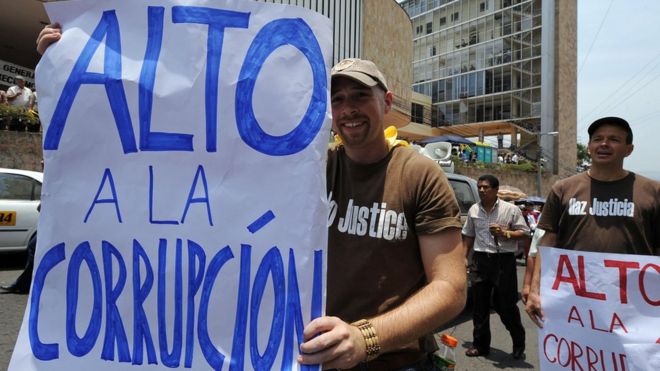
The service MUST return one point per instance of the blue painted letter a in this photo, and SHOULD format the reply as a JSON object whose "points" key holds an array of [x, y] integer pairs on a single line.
{"points": [[107, 28]]}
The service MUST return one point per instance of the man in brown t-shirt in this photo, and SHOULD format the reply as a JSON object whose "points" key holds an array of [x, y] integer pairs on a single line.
{"points": [[607, 209], [396, 270]]}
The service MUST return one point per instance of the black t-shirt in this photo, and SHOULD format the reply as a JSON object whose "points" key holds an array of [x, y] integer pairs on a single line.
{"points": [[622, 216]]}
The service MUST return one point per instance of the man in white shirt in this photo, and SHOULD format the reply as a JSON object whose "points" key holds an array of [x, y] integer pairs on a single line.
{"points": [[493, 228], [19, 95]]}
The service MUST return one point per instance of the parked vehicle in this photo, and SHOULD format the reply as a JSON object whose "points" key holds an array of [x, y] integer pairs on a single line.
{"points": [[20, 195], [465, 190], [467, 194]]}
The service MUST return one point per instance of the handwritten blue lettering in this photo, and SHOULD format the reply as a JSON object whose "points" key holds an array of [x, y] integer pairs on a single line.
{"points": [[196, 266], [114, 326], [107, 176], [217, 20], [193, 199], [212, 355], [155, 141], [170, 359], [76, 345], [151, 201], [286, 322], [277, 33], [42, 351], [107, 28], [141, 332]]}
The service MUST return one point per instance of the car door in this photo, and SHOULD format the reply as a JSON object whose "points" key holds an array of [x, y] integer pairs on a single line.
{"points": [[465, 195], [19, 199]]}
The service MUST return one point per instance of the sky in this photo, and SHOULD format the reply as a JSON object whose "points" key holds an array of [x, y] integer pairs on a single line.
{"points": [[618, 67]]}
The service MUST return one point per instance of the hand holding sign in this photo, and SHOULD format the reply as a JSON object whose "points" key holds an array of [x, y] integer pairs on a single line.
{"points": [[50, 34]]}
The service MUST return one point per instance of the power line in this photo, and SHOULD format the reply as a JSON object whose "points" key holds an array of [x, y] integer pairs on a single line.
{"points": [[584, 61], [640, 88], [618, 91], [645, 119]]}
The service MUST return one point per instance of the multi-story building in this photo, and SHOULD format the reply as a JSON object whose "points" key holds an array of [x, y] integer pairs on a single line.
{"points": [[500, 68]]}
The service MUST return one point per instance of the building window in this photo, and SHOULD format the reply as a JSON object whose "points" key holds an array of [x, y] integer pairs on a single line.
{"points": [[443, 21], [429, 28], [417, 113], [419, 29], [483, 6], [454, 17], [432, 51]]}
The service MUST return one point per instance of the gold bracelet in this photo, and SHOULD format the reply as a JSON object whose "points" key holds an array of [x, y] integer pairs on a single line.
{"points": [[508, 234], [370, 338]]}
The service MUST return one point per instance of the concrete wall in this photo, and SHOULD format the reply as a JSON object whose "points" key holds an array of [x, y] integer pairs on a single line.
{"points": [[20, 150], [387, 41], [526, 181]]}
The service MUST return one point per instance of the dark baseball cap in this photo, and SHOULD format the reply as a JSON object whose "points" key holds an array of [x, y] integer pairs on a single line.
{"points": [[614, 121], [361, 70]]}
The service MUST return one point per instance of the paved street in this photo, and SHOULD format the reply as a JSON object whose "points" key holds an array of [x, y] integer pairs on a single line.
{"points": [[13, 306], [501, 346]]}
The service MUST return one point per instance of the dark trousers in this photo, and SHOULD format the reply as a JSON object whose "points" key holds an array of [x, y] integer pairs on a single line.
{"points": [[494, 276], [23, 282]]}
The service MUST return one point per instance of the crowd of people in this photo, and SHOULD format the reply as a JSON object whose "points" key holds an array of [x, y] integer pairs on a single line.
{"points": [[385, 297]]}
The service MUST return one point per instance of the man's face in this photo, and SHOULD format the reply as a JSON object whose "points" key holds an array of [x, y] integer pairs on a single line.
{"points": [[20, 83], [607, 146], [358, 111], [486, 192]]}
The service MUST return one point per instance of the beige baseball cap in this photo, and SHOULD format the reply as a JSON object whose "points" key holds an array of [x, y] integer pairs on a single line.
{"points": [[360, 70]]}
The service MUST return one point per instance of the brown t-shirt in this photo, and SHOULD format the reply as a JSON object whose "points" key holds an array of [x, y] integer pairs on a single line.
{"points": [[376, 213], [622, 216]]}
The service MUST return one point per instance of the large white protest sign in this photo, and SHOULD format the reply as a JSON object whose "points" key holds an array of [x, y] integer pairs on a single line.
{"points": [[602, 311], [184, 208]]}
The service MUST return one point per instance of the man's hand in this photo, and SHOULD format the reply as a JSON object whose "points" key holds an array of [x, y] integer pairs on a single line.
{"points": [[534, 310], [333, 343], [47, 36], [524, 294]]}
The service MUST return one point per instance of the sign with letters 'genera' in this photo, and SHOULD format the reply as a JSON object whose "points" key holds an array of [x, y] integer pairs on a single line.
{"points": [[183, 219]]}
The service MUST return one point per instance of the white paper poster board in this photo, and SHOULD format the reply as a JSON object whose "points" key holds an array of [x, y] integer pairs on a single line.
{"points": [[183, 220], [602, 311]]}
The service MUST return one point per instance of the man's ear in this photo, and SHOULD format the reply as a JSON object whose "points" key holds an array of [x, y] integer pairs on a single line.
{"points": [[630, 148], [389, 99]]}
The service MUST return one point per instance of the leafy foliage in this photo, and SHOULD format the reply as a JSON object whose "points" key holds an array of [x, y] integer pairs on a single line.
{"points": [[583, 158]]}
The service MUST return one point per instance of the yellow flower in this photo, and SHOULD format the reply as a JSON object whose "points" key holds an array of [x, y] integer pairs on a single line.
{"points": [[390, 137]]}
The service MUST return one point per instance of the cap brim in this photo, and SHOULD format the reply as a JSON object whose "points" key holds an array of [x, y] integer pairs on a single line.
{"points": [[360, 77]]}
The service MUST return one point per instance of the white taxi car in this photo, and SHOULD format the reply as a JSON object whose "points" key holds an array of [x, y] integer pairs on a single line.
{"points": [[20, 194]]}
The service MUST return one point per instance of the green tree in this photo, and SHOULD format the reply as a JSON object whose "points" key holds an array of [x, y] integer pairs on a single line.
{"points": [[583, 157]]}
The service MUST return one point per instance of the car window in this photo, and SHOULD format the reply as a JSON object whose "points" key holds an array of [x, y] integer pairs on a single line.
{"points": [[463, 193], [19, 187]]}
